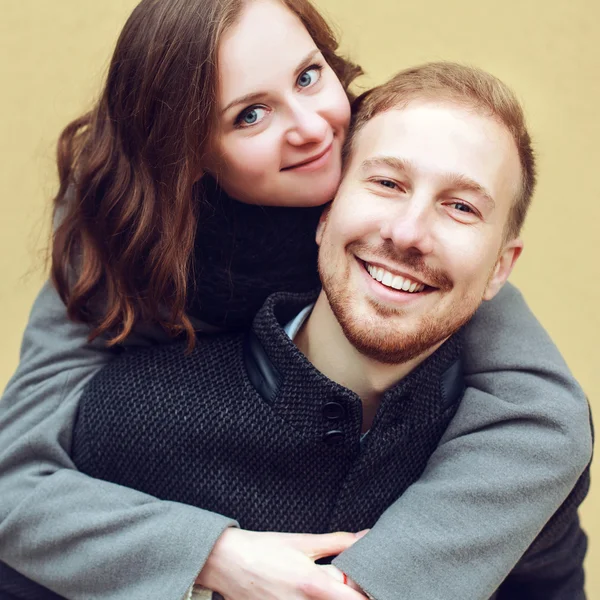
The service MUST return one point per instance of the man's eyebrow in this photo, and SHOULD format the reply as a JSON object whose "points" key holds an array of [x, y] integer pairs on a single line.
{"points": [[456, 181], [255, 96], [397, 164]]}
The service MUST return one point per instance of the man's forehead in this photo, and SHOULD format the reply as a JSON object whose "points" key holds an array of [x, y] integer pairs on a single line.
{"points": [[439, 137], [427, 116]]}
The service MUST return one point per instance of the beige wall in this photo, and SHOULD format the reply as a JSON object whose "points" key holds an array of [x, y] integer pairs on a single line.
{"points": [[52, 55]]}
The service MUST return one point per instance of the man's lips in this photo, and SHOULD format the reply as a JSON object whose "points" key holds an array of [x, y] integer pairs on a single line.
{"points": [[310, 160]]}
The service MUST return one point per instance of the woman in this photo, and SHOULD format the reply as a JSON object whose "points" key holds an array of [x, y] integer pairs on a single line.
{"points": [[138, 199]]}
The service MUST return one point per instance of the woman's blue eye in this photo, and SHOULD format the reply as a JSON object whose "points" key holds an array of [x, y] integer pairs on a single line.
{"points": [[310, 76], [250, 116]]}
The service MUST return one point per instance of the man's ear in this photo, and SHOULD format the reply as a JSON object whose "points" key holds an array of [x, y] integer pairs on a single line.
{"points": [[504, 265], [322, 222]]}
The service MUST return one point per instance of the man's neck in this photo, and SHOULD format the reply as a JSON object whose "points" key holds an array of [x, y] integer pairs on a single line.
{"points": [[322, 340]]}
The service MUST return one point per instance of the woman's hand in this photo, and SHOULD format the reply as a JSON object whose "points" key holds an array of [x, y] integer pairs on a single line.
{"points": [[334, 572], [249, 565]]}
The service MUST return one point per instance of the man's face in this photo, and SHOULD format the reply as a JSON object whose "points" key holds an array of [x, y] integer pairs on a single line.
{"points": [[415, 237]]}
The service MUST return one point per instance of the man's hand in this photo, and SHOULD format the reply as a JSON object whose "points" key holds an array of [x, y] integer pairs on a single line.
{"points": [[249, 565]]}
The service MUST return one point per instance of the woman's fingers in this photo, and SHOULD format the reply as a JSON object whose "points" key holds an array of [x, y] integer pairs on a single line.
{"points": [[335, 590], [247, 565], [334, 572], [320, 545], [340, 576]]}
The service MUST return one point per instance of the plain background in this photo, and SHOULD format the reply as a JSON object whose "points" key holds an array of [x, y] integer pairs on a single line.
{"points": [[53, 56]]}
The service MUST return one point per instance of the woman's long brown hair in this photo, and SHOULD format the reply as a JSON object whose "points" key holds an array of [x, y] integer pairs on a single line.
{"points": [[126, 215]]}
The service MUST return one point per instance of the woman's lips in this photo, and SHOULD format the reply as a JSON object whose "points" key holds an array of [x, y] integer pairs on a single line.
{"points": [[313, 163]]}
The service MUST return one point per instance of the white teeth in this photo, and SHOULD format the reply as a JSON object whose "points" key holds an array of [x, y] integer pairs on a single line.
{"points": [[397, 282], [387, 279], [394, 281]]}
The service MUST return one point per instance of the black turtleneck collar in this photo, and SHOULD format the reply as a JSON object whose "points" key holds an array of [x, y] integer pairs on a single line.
{"points": [[244, 253]]}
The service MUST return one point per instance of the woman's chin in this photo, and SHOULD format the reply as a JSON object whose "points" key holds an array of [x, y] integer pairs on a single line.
{"points": [[319, 196], [305, 193], [293, 199], [304, 201]]}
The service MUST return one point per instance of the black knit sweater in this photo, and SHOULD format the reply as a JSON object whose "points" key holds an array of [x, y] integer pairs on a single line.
{"points": [[194, 429], [243, 253]]}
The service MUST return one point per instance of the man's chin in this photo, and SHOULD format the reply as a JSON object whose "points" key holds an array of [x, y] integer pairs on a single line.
{"points": [[394, 338], [390, 349], [392, 334]]}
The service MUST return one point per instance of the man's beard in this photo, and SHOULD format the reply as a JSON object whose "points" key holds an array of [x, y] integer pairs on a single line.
{"points": [[373, 337]]}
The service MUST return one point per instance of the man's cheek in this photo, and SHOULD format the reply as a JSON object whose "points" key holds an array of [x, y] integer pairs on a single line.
{"points": [[362, 223]]}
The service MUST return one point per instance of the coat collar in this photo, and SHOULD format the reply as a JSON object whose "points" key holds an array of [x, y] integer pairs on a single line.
{"points": [[301, 394]]}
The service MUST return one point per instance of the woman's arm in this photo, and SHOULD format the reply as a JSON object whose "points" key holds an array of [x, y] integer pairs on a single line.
{"points": [[89, 539], [82, 538], [552, 567], [515, 449]]}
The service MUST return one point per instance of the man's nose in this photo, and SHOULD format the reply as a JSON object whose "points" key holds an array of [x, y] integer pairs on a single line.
{"points": [[410, 228], [307, 126]]}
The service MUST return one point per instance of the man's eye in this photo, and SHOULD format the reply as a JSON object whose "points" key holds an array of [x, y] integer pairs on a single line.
{"points": [[250, 116], [310, 76], [462, 207], [388, 184]]}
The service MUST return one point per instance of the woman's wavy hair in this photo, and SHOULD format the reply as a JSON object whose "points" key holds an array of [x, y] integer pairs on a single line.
{"points": [[127, 218]]}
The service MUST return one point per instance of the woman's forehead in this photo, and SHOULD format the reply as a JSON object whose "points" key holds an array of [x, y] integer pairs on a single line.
{"points": [[262, 50]]}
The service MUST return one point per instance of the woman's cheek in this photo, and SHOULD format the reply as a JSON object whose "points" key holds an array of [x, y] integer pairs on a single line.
{"points": [[258, 154], [340, 110]]}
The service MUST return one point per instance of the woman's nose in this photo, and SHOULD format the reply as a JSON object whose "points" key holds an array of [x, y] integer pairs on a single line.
{"points": [[308, 127]]}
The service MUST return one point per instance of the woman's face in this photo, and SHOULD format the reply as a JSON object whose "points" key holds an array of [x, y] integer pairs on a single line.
{"points": [[283, 114]]}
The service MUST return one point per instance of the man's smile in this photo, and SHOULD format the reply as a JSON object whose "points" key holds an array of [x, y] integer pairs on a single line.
{"points": [[397, 282], [388, 287]]}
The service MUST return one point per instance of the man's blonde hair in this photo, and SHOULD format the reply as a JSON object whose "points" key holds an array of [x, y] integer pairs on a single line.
{"points": [[467, 86]]}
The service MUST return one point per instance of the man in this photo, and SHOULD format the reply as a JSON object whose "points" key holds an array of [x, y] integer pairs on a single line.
{"points": [[329, 409]]}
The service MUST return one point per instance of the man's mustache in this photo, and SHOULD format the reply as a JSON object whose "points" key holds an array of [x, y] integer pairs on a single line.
{"points": [[411, 262]]}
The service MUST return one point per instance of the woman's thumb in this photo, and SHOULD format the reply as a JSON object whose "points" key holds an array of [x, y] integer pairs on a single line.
{"points": [[320, 545]]}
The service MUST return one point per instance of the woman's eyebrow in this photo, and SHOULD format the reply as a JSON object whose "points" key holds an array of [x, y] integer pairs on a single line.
{"points": [[308, 59], [247, 99], [255, 96]]}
